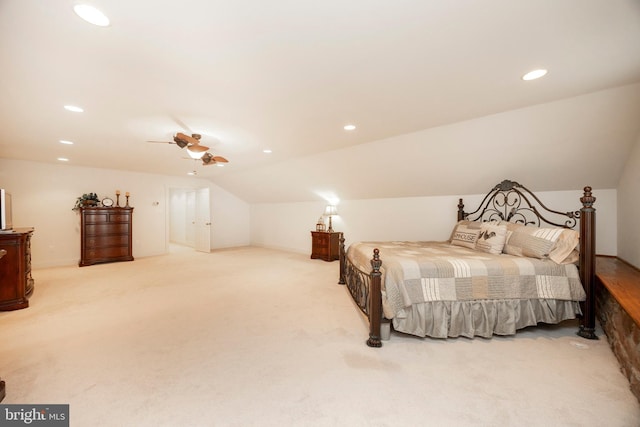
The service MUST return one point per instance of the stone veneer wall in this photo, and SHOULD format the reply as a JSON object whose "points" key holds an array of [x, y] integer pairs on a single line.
{"points": [[623, 335]]}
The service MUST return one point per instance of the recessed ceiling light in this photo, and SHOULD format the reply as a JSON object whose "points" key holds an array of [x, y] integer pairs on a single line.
{"points": [[267, 151], [73, 108], [63, 159], [535, 74], [350, 127], [91, 15], [63, 141]]}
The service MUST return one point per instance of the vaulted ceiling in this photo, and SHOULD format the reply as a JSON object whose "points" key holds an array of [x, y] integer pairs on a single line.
{"points": [[433, 87]]}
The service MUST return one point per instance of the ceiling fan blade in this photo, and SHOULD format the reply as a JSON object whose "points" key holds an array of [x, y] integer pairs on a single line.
{"points": [[162, 142], [210, 159], [189, 140], [180, 123]]}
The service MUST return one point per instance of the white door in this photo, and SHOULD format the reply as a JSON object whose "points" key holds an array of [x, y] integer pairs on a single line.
{"points": [[203, 221]]}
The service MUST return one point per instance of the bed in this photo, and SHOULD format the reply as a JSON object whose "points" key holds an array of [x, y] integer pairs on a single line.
{"points": [[509, 264]]}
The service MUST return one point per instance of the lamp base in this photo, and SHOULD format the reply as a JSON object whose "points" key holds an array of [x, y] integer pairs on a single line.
{"points": [[330, 230]]}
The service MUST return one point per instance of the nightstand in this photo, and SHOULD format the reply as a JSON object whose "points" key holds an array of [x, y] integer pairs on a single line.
{"points": [[325, 245]]}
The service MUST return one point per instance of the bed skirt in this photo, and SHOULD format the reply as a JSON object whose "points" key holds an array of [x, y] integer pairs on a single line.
{"points": [[482, 318]]}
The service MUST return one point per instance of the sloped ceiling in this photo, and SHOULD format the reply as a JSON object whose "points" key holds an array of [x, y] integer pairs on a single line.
{"points": [[433, 87]]}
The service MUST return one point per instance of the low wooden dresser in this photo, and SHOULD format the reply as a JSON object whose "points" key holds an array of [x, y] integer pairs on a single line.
{"points": [[106, 235], [325, 245], [16, 283]]}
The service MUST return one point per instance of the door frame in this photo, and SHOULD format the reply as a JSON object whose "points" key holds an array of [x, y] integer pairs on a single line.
{"points": [[206, 214]]}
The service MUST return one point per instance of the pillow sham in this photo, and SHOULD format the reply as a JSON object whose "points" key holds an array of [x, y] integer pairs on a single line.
{"points": [[492, 237], [465, 234], [565, 250], [556, 244]]}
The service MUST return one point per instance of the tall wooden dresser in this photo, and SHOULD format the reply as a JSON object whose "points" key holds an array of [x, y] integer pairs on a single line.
{"points": [[105, 235], [16, 283]]}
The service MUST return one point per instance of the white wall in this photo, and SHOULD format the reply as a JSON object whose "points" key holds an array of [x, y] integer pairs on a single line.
{"points": [[629, 209], [44, 194], [230, 219], [178, 216], [288, 225]]}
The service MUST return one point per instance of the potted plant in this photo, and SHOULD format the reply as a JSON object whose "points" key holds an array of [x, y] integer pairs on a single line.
{"points": [[87, 199]]}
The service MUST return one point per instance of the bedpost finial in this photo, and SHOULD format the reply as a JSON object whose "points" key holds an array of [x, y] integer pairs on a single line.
{"points": [[587, 200], [460, 210], [376, 263]]}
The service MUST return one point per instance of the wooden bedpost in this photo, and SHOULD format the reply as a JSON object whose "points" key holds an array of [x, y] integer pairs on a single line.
{"points": [[587, 263], [460, 210], [375, 302], [343, 265]]}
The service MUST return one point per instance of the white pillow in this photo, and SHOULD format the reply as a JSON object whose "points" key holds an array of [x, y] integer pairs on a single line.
{"points": [[492, 237]]}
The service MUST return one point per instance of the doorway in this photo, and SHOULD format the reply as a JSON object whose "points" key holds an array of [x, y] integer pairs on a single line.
{"points": [[189, 219]]}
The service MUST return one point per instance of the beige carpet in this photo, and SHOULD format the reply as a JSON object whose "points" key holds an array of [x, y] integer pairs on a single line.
{"points": [[258, 337]]}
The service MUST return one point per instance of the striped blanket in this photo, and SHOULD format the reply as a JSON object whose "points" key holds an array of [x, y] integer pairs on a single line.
{"points": [[418, 272]]}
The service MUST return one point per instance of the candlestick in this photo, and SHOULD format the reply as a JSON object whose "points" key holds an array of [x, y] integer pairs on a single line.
{"points": [[117, 199], [127, 196]]}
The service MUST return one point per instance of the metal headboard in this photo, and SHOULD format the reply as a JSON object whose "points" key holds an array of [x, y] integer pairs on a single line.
{"points": [[512, 202]]}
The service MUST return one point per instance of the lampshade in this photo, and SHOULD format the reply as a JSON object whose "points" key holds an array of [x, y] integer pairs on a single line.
{"points": [[196, 151], [330, 210]]}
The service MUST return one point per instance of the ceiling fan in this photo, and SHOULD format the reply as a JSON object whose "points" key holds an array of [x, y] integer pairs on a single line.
{"points": [[210, 159], [195, 150]]}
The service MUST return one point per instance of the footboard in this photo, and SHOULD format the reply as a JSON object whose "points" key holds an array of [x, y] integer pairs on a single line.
{"points": [[365, 289]]}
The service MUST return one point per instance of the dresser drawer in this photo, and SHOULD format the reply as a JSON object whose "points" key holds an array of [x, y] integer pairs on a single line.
{"points": [[102, 241], [112, 252], [102, 229], [118, 217], [96, 218]]}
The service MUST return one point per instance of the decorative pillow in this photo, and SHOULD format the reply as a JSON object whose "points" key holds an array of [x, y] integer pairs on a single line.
{"points": [[465, 234], [565, 251], [492, 237], [537, 242]]}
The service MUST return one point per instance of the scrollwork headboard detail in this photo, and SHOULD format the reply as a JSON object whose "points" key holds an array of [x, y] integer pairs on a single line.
{"points": [[511, 201]]}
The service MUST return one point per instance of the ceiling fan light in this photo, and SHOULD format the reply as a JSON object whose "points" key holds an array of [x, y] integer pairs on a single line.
{"points": [[197, 151]]}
